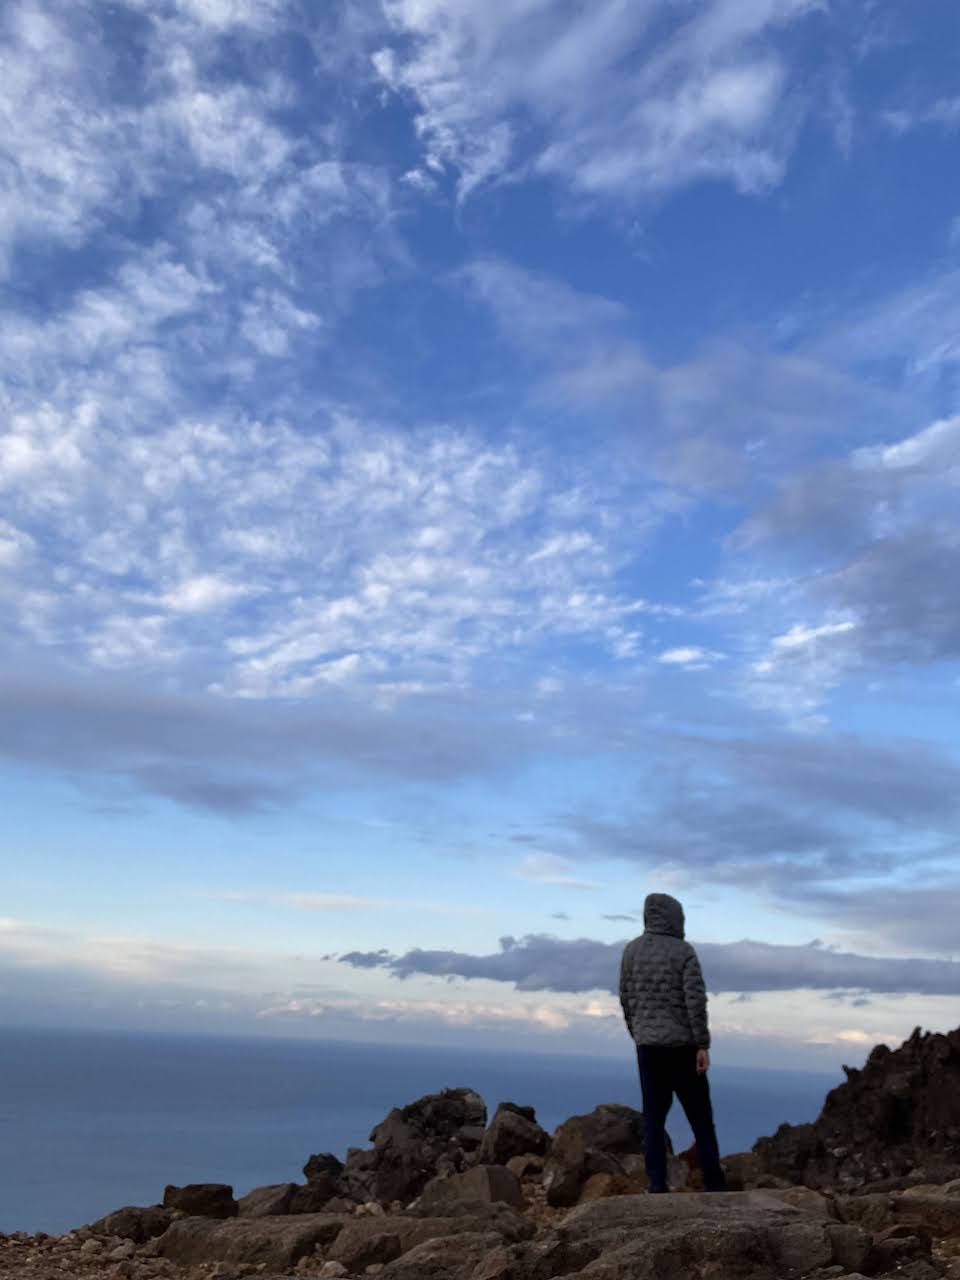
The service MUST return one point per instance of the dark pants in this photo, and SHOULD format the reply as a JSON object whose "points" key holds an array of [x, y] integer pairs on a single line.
{"points": [[663, 1073]]}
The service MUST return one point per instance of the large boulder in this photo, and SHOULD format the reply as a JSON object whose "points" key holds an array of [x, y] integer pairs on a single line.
{"points": [[486, 1183], [268, 1202], [594, 1143], [134, 1222], [202, 1200], [513, 1132], [414, 1143], [444, 1257], [898, 1114], [736, 1235], [277, 1243]]}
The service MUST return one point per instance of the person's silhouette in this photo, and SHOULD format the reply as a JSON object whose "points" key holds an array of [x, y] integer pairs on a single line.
{"points": [[664, 1002]]}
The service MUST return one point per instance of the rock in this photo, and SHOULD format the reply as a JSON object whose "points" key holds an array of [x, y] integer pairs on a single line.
{"points": [[898, 1115], [134, 1223], [357, 1250], [90, 1247], [599, 1185], [409, 1146], [741, 1170], [722, 1236], [317, 1197], [806, 1200], [202, 1199], [322, 1165], [525, 1166], [444, 1257], [513, 1132], [122, 1251], [329, 1270], [588, 1144], [276, 1242], [938, 1214], [269, 1201], [485, 1183], [511, 1224]]}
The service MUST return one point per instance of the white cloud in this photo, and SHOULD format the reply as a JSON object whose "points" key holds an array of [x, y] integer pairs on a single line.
{"points": [[552, 869], [590, 99], [692, 656]]}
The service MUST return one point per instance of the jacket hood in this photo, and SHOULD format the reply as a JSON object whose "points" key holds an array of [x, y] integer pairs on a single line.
{"points": [[663, 914]]}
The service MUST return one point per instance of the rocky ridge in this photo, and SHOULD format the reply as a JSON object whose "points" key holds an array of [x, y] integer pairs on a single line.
{"points": [[443, 1194]]}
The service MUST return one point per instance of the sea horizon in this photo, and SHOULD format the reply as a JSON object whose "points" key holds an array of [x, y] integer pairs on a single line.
{"points": [[93, 1119]]}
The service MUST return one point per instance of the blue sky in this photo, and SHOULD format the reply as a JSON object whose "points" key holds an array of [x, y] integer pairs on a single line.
{"points": [[464, 466]]}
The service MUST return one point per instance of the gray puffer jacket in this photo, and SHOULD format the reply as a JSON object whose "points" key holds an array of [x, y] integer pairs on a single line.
{"points": [[662, 990]]}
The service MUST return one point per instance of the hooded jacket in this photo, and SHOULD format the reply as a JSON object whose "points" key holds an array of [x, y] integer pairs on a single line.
{"points": [[662, 991]]}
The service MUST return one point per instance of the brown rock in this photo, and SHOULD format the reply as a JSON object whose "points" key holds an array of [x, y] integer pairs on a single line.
{"points": [[599, 1185], [588, 1144], [513, 1132], [202, 1199], [277, 1242], [134, 1223], [444, 1257], [317, 1197], [897, 1117], [263, 1202], [358, 1249], [485, 1183]]}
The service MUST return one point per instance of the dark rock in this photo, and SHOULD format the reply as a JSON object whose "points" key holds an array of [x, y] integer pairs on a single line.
{"points": [[528, 1113], [411, 1143], [358, 1250], [322, 1165], [897, 1114], [276, 1242], [511, 1224], [588, 1144], [444, 1257], [525, 1166], [485, 1183], [513, 1132], [134, 1223], [599, 1185], [263, 1202], [939, 1215], [202, 1200], [317, 1197]]}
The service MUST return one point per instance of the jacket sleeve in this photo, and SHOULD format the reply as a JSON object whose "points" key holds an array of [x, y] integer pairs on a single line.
{"points": [[625, 991], [695, 998]]}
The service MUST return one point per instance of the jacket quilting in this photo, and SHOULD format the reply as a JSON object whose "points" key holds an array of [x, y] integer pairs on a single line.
{"points": [[662, 991]]}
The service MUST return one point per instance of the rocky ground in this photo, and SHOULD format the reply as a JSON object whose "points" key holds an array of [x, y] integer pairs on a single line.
{"points": [[871, 1189]]}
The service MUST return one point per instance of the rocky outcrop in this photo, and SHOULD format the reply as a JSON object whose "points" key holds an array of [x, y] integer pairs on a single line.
{"points": [[897, 1117], [267, 1202], [277, 1243], [414, 1143], [513, 1132], [134, 1222], [608, 1139], [202, 1199], [484, 1184]]}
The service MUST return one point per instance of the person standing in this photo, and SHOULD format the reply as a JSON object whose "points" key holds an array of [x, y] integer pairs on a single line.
{"points": [[664, 1003]]}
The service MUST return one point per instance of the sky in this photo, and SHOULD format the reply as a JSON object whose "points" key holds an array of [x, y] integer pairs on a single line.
{"points": [[465, 465]]}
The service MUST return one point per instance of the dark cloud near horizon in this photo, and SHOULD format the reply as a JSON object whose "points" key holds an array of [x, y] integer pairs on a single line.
{"points": [[618, 918], [541, 962]]}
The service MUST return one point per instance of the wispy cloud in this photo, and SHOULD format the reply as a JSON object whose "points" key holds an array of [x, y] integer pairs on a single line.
{"points": [[617, 103]]}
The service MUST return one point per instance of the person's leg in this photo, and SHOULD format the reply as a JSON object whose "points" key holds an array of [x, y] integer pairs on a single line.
{"points": [[693, 1090], [657, 1089]]}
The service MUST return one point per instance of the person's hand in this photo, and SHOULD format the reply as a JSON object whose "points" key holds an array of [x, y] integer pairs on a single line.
{"points": [[703, 1061]]}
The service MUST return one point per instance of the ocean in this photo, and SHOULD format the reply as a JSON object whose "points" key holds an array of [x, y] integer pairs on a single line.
{"points": [[91, 1121]]}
